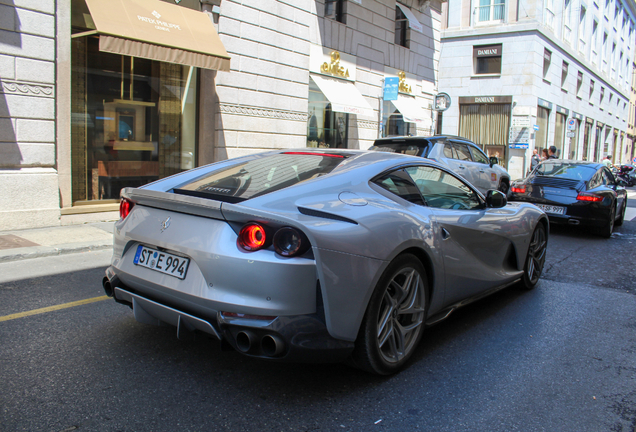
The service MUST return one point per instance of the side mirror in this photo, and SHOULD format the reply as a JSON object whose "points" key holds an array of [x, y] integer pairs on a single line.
{"points": [[496, 199], [494, 160]]}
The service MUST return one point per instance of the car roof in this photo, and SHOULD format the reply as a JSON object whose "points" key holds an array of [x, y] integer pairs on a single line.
{"points": [[596, 165], [416, 139]]}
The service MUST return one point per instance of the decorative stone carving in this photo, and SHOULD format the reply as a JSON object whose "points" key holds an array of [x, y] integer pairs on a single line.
{"points": [[26, 89], [366, 124], [263, 112]]}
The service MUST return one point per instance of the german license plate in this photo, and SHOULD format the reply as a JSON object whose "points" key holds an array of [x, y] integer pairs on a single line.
{"points": [[163, 262], [551, 209]]}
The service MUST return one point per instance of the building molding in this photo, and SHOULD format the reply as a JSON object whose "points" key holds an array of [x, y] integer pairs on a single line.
{"points": [[263, 112], [367, 124], [26, 89]]}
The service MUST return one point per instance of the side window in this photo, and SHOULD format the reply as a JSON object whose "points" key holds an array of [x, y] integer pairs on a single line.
{"points": [[448, 151], [478, 156], [443, 190], [400, 184], [594, 181], [608, 178], [462, 152]]}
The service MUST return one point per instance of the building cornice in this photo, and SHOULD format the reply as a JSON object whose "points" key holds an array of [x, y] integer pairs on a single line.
{"points": [[531, 28]]}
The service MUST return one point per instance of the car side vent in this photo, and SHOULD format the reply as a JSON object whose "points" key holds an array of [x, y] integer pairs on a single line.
{"points": [[322, 214]]}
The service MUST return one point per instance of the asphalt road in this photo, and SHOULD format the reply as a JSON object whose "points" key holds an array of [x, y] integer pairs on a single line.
{"points": [[560, 357]]}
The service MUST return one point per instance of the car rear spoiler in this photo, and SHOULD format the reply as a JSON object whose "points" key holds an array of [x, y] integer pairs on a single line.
{"points": [[175, 202]]}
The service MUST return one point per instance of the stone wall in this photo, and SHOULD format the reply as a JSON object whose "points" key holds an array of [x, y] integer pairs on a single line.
{"points": [[28, 179]]}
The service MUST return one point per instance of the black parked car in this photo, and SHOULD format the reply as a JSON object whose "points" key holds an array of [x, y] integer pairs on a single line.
{"points": [[575, 193]]}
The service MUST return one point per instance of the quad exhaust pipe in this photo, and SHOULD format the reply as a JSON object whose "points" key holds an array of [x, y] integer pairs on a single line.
{"points": [[270, 345]]}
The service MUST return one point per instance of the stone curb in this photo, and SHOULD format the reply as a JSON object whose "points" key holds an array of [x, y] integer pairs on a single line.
{"points": [[45, 251]]}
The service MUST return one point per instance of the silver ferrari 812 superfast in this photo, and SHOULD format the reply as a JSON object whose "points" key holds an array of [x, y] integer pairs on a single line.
{"points": [[318, 255]]}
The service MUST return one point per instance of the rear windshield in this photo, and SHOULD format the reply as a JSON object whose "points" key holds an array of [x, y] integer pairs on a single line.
{"points": [[566, 170], [261, 176], [402, 147]]}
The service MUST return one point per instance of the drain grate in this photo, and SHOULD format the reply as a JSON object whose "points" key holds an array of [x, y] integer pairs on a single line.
{"points": [[10, 241]]}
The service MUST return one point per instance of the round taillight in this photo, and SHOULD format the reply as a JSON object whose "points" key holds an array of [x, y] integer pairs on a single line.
{"points": [[252, 237], [290, 242], [125, 206]]}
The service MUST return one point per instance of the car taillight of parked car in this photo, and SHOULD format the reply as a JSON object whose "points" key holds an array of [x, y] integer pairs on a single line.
{"points": [[252, 237], [125, 206], [518, 189], [589, 197], [287, 241]]}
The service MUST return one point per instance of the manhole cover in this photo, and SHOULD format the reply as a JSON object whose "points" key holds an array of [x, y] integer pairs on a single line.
{"points": [[11, 241]]}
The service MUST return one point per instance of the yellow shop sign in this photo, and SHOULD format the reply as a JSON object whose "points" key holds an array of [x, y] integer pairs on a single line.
{"points": [[334, 67]]}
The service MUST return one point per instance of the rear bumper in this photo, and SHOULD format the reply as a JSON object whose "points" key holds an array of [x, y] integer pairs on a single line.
{"points": [[300, 338]]}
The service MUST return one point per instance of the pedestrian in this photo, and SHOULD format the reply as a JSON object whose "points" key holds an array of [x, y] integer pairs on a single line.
{"points": [[607, 161], [534, 160], [552, 152]]}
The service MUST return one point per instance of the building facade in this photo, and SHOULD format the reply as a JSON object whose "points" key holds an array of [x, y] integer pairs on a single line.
{"points": [[525, 75], [91, 103]]}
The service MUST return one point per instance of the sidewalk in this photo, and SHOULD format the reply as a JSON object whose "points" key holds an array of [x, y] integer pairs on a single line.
{"points": [[58, 240]]}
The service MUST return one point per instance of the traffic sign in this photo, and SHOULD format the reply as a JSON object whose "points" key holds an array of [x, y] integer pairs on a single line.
{"points": [[571, 124], [569, 134]]}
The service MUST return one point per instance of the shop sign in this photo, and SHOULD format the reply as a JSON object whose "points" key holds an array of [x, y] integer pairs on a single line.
{"points": [[391, 88], [544, 103], [487, 51], [485, 99], [577, 116], [332, 63], [404, 87], [334, 68], [562, 110], [442, 102], [535, 127]]}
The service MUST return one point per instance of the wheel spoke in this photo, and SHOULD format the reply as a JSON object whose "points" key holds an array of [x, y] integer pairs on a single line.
{"points": [[383, 337], [407, 304], [385, 316]]}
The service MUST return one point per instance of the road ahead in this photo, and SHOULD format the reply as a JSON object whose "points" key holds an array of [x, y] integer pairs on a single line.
{"points": [[561, 357]]}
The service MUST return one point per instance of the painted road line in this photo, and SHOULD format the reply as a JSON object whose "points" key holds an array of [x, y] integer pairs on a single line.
{"points": [[51, 308]]}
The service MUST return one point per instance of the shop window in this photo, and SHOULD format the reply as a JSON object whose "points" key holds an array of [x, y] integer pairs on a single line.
{"points": [[401, 28], [491, 10], [336, 10], [394, 124], [326, 128], [487, 59], [133, 121], [547, 60], [564, 74]]}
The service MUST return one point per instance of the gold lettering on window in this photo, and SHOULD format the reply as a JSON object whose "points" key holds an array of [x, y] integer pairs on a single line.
{"points": [[334, 67]]}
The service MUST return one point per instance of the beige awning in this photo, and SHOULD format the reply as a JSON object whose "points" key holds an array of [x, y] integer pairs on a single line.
{"points": [[343, 95], [160, 31], [411, 111]]}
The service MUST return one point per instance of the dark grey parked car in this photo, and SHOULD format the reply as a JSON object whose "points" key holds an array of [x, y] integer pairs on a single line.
{"points": [[459, 154]]}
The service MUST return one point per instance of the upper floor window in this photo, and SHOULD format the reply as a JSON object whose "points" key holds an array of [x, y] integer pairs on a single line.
{"points": [[491, 10], [336, 10], [579, 83], [602, 95], [487, 59], [401, 28], [564, 74], [547, 60], [549, 13], [591, 89]]}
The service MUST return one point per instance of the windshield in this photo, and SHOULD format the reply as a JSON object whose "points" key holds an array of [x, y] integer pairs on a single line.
{"points": [[261, 176], [566, 170], [401, 147]]}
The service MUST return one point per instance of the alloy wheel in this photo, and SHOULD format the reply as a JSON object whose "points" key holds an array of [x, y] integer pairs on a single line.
{"points": [[536, 255], [401, 315]]}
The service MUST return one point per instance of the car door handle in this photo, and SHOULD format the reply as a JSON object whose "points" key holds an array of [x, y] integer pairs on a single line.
{"points": [[445, 234], [482, 171], [462, 167]]}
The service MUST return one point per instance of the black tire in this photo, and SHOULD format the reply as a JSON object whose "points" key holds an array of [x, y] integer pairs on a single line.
{"points": [[606, 230], [535, 259], [621, 218], [504, 187], [394, 320]]}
